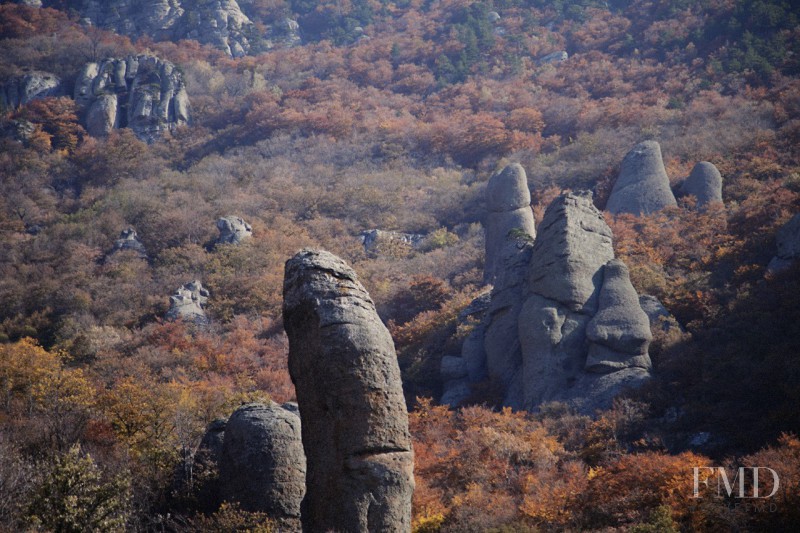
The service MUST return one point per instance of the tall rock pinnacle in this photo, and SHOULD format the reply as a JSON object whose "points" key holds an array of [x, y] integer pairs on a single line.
{"points": [[354, 418], [508, 201]]}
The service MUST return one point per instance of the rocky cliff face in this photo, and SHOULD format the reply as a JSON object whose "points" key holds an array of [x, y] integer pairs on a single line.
{"points": [[220, 23], [355, 424], [563, 322], [143, 93], [642, 186]]}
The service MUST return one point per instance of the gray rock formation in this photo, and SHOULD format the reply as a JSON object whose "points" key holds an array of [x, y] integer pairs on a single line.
{"points": [[220, 23], [508, 201], [233, 230], [262, 466], [660, 318], [142, 92], [554, 58], [564, 322], [188, 304], [704, 183], [787, 241], [19, 90], [580, 296], [375, 239], [355, 424], [129, 241], [642, 187]]}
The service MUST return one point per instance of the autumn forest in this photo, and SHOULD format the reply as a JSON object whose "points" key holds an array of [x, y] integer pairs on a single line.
{"points": [[342, 117]]}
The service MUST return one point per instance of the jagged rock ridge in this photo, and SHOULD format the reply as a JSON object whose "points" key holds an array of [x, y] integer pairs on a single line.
{"points": [[144, 93], [355, 424]]}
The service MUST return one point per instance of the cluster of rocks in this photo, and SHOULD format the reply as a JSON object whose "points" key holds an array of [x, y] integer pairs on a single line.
{"points": [[562, 321], [142, 92], [554, 58], [349, 465], [220, 23], [643, 187], [223, 24], [375, 239], [19, 90], [189, 301]]}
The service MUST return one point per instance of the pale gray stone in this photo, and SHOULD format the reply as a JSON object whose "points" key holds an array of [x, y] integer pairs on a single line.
{"points": [[704, 183], [620, 324], [188, 304], [642, 187], [101, 118], [233, 230], [452, 368]]}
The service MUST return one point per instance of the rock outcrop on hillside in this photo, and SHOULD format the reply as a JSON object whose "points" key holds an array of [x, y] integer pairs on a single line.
{"points": [[704, 183], [188, 304], [220, 23], [233, 230], [142, 92], [377, 241], [564, 322], [508, 202], [262, 466], [787, 241], [642, 187], [355, 424], [129, 241], [22, 89]]}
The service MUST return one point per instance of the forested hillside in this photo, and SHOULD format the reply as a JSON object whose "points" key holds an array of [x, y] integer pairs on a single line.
{"points": [[342, 117]]}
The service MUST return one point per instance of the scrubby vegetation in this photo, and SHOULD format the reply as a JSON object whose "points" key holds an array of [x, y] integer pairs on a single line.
{"points": [[101, 400]]}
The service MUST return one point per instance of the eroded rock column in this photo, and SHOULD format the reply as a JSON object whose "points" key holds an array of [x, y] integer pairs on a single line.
{"points": [[354, 419]]}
